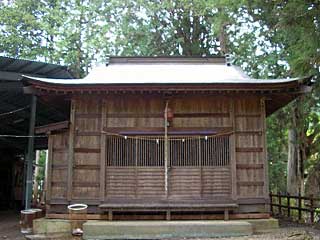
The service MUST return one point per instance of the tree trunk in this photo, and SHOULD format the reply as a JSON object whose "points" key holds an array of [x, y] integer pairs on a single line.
{"points": [[292, 166], [296, 153]]}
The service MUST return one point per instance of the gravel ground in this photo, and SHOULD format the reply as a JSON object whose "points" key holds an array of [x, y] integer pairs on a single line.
{"points": [[9, 229]]}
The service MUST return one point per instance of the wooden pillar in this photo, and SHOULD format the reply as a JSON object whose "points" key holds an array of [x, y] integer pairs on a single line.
{"points": [[166, 147], [201, 168], [299, 206], [168, 215], [279, 204], [103, 151], [49, 169], [311, 209], [232, 147], [264, 146], [110, 215], [45, 185], [30, 152], [271, 203], [71, 150], [226, 214], [288, 205]]}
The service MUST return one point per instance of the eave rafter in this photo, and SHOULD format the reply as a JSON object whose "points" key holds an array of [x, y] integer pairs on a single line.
{"points": [[43, 89]]}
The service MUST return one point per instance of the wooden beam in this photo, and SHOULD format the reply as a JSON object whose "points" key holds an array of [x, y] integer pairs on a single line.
{"points": [[249, 149], [148, 131], [249, 166], [247, 184], [87, 150], [29, 90], [52, 127], [176, 216]]}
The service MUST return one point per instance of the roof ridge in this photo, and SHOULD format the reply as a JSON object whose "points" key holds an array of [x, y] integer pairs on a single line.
{"points": [[165, 59]]}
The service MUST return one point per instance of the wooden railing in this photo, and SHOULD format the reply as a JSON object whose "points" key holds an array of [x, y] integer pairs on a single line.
{"points": [[296, 207]]}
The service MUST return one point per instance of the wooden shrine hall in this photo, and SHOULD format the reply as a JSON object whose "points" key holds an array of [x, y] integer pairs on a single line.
{"points": [[167, 137]]}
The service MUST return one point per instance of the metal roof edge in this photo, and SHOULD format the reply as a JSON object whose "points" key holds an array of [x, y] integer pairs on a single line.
{"points": [[24, 66], [66, 82]]}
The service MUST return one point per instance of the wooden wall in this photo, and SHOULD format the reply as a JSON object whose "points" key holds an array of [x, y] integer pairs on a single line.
{"points": [[78, 170], [250, 148]]}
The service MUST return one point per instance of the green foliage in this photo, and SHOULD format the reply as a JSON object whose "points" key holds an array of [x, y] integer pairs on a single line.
{"points": [[41, 163]]}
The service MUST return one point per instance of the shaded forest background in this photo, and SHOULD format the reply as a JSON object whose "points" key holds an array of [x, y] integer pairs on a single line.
{"points": [[268, 39]]}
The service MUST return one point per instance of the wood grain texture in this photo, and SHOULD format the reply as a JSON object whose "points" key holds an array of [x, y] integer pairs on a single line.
{"points": [[224, 170], [250, 147], [58, 165], [71, 149], [264, 143], [232, 148], [49, 170], [103, 152]]}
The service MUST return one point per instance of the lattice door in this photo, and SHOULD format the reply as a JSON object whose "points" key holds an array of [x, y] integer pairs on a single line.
{"points": [[198, 167]]}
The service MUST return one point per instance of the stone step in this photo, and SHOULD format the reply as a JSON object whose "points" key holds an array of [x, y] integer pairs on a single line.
{"points": [[164, 229], [53, 236]]}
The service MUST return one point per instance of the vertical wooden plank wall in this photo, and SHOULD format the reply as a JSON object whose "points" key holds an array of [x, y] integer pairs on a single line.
{"points": [[87, 150], [250, 148], [57, 167], [92, 181]]}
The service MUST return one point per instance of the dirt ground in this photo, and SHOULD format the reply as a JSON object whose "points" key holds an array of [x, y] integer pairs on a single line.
{"points": [[9, 229], [9, 226]]}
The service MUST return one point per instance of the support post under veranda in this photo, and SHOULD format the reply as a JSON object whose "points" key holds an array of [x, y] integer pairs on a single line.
{"points": [[30, 153]]}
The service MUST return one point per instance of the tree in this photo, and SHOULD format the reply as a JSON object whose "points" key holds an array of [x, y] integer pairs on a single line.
{"points": [[295, 32], [73, 32], [166, 27], [20, 32]]}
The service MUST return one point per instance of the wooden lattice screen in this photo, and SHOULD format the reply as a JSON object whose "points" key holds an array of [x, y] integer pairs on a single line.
{"points": [[149, 151]]}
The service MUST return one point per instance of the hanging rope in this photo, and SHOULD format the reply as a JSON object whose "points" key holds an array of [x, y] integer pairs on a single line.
{"points": [[157, 138], [22, 136], [14, 111]]}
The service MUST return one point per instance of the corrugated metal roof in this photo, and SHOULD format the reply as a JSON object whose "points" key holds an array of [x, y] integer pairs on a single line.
{"points": [[12, 98], [13, 65]]}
